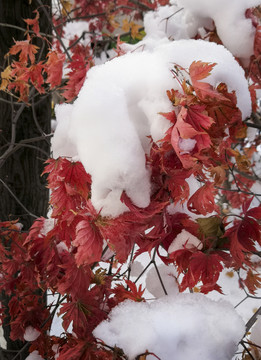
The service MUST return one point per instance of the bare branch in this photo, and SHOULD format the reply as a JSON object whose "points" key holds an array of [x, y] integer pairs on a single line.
{"points": [[17, 200]]}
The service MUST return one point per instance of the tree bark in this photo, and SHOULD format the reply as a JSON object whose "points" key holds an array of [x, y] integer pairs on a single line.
{"points": [[23, 190]]}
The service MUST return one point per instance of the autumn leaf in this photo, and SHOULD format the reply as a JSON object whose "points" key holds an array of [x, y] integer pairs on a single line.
{"points": [[219, 174], [134, 293], [66, 7], [54, 68], [203, 267], [203, 200], [199, 70], [6, 76], [79, 67], [252, 281], [243, 236], [125, 25], [26, 49], [75, 312], [89, 243], [34, 23], [34, 73], [210, 226], [76, 278]]}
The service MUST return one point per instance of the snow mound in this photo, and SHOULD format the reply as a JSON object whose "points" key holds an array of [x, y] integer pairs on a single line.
{"points": [[185, 18], [187, 326], [119, 106]]}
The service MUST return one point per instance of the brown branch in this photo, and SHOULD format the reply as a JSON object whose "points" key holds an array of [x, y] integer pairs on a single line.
{"points": [[25, 30], [17, 200], [252, 320], [54, 29]]}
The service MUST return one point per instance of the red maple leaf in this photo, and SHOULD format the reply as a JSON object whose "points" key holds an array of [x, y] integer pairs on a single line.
{"points": [[76, 279], [199, 70], [26, 49], [79, 67], [244, 234], [88, 241], [54, 68], [133, 293], [203, 267], [34, 73], [252, 281], [34, 23], [75, 312], [203, 200]]}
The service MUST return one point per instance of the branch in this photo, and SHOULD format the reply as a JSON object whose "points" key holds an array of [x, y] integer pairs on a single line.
{"points": [[252, 125], [54, 29], [22, 143], [252, 320], [25, 30], [17, 200]]}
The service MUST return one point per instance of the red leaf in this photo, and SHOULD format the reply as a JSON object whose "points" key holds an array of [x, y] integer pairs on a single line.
{"points": [[203, 201], [54, 68], [26, 50], [252, 281], [76, 279], [34, 73], [89, 243], [134, 293], [74, 312], [242, 236], [34, 22], [77, 75], [199, 70], [254, 212]]}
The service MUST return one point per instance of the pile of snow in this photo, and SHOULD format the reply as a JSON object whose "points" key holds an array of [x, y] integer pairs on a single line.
{"points": [[185, 18], [118, 107], [165, 274], [34, 356], [31, 334], [185, 240], [187, 326]]}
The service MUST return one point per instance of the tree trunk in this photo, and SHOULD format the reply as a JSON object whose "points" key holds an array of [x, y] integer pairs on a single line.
{"points": [[23, 190]]}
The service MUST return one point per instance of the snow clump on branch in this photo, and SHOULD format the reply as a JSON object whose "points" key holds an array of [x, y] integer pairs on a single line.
{"points": [[185, 18], [186, 326], [119, 106]]}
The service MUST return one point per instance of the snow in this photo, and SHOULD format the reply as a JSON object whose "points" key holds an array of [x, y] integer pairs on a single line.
{"points": [[185, 240], [185, 18], [31, 334], [34, 356], [107, 128], [186, 326], [118, 107], [168, 275]]}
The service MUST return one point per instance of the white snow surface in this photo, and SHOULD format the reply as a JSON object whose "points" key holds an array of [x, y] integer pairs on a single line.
{"points": [[185, 18], [31, 334], [186, 326], [185, 240], [118, 107], [168, 275], [34, 356]]}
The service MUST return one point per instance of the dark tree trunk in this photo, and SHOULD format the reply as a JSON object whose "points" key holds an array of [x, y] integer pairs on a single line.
{"points": [[23, 190]]}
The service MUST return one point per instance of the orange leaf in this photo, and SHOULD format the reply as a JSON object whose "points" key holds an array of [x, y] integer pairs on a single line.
{"points": [[26, 49], [199, 70], [54, 68], [34, 22]]}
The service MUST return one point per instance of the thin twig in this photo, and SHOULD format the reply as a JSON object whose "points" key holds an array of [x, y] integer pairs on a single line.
{"points": [[55, 30], [17, 200]]}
